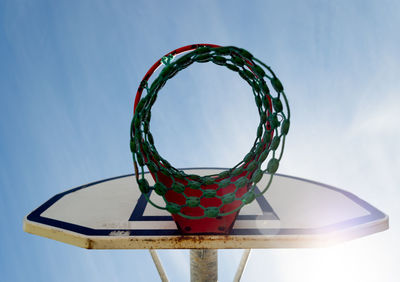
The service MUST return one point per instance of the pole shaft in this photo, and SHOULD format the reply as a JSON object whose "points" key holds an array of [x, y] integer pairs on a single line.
{"points": [[203, 265]]}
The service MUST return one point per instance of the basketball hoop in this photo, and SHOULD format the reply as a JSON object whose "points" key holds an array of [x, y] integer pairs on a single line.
{"points": [[210, 204]]}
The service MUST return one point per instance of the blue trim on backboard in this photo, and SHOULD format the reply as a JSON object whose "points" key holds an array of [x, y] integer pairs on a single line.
{"points": [[138, 213], [374, 214]]}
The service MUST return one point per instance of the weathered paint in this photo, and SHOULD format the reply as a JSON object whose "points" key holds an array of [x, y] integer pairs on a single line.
{"points": [[203, 241]]}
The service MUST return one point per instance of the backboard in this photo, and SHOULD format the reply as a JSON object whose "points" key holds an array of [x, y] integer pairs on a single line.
{"points": [[293, 213]]}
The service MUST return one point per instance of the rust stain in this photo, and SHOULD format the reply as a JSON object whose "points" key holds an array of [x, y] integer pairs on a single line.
{"points": [[90, 244], [201, 240]]}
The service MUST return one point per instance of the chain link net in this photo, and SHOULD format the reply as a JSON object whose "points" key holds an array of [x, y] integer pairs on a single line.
{"points": [[193, 196]]}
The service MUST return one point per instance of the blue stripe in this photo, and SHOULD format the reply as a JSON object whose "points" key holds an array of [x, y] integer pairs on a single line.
{"points": [[137, 215]]}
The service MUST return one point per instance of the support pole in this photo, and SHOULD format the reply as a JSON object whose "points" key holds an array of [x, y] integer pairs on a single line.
{"points": [[158, 265], [203, 265], [242, 265]]}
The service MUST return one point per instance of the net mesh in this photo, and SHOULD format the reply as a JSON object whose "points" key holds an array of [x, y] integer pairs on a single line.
{"points": [[193, 196]]}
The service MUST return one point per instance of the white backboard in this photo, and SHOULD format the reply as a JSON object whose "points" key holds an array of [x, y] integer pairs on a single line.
{"points": [[294, 213]]}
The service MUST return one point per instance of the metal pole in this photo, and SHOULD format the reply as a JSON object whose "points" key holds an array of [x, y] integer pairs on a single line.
{"points": [[203, 265], [242, 265], [159, 266]]}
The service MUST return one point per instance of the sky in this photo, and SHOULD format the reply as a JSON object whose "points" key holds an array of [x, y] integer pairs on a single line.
{"points": [[69, 71]]}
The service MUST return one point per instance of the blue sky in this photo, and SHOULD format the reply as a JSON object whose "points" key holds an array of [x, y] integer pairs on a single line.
{"points": [[69, 71]]}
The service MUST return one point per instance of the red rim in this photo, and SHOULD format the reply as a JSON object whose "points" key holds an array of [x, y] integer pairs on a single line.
{"points": [[158, 63]]}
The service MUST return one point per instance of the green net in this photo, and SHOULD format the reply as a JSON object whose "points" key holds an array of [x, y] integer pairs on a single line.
{"points": [[233, 188]]}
